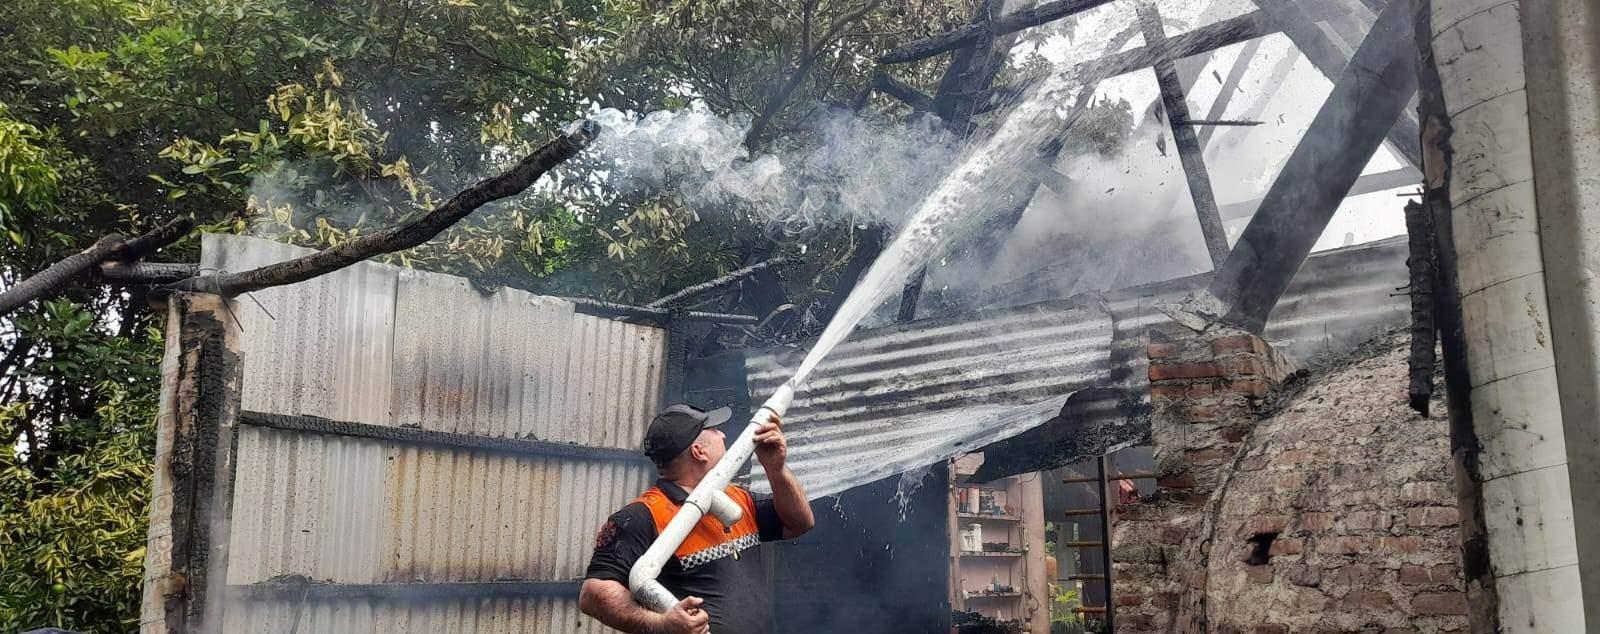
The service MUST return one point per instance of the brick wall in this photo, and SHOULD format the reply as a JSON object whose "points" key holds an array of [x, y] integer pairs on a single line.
{"points": [[1333, 513]]}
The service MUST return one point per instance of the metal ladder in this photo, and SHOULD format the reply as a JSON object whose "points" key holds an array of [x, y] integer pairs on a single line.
{"points": [[1102, 479]]}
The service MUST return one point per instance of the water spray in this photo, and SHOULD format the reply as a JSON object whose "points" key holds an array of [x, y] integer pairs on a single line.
{"points": [[707, 497]]}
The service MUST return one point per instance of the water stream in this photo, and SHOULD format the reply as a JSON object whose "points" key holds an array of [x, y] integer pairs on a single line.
{"points": [[981, 184]]}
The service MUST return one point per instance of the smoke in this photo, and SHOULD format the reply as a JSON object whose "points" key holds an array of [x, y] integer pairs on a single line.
{"points": [[848, 168]]}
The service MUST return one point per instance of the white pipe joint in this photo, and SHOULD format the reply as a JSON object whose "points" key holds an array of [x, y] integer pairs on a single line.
{"points": [[707, 497], [724, 508]]}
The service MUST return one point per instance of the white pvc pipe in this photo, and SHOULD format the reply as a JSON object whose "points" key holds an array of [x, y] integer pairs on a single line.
{"points": [[707, 497]]}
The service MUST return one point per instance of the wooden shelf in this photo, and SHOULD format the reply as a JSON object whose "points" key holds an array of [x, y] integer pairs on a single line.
{"points": [[978, 553], [993, 595], [981, 516]]}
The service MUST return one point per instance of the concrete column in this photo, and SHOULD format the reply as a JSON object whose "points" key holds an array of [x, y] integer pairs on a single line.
{"points": [[1562, 40], [1516, 206]]}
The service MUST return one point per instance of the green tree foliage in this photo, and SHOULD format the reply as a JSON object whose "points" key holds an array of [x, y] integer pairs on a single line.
{"points": [[315, 122]]}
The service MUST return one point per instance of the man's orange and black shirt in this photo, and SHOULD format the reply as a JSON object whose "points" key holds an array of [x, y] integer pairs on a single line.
{"points": [[708, 564]]}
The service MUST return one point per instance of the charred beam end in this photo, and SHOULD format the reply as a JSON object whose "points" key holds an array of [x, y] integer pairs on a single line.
{"points": [[661, 316], [1363, 106], [296, 589], [432, 438], [1421, 263], [146, 272], [1189, 152], [722, 282], [507, 184]]}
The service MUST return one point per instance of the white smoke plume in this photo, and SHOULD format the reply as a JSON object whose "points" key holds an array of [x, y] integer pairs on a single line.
{"points": [[849, 168]]}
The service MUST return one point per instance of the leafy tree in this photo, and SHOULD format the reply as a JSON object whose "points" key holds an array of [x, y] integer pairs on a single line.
{"points": [[316, 122]]}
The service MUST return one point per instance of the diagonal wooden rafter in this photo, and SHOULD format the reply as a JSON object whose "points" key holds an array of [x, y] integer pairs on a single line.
{"points": [[1183, 133], [1300, 26], [1369, 96]]}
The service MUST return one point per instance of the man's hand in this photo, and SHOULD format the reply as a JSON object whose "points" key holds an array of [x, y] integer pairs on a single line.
{"points": [[772, 449], [686, 618]]}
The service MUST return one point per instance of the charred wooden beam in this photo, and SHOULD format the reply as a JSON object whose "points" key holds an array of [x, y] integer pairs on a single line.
{"points": [[720, 283], [1351, 124], [1236, 123], [146, 272], [1016, 21], [601, 308], [1177, 107], [1422, 265], [1300, 25]]}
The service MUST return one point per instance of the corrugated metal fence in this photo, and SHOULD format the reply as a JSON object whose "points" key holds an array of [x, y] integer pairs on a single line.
{"points": [[417, 456]]}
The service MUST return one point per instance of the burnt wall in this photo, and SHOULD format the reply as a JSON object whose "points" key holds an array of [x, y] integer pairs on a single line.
{"points": [[1322, 504]]}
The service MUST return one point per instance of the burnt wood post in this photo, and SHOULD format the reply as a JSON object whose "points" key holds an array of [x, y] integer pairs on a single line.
{"points": [[1177, 107], [1352, 123], [186, 555], [1420, 262]]}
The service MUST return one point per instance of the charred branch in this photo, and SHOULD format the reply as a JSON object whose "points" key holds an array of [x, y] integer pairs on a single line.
{"points": [[1423, 267], [887, 85], [720, 283], [419, 231], [1352, 123], [111, 248], [1189, 153]]}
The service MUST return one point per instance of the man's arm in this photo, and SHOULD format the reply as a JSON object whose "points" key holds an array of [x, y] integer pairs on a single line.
{"points": [[610, 602], [788, 497]]}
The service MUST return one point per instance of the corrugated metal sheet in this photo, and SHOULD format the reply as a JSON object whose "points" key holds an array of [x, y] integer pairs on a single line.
{"points": [[895, 398], [887, 392], [382, 345]]}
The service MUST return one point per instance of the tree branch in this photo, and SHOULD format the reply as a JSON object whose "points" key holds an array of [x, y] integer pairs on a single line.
{"points": [[54, 278], [902, 91], [504, 65], [1016, 21], [721, 282], [419, 231], [780, 97]]}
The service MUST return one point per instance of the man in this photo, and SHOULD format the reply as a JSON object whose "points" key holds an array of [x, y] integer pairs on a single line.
{"points": [[718, 589]]}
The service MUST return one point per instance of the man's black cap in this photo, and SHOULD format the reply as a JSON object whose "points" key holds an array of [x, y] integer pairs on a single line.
{"points": [[675, 428]]}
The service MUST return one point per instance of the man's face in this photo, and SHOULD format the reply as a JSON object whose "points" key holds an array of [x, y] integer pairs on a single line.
{"points": [[713, 442]]}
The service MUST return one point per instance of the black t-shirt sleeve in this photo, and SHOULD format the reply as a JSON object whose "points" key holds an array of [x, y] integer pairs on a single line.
{"points": [[622, 539], [768, 524]]}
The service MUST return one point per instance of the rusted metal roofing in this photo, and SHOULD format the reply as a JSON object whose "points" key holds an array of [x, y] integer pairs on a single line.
{"points": [[431, 358], [888, 394]]}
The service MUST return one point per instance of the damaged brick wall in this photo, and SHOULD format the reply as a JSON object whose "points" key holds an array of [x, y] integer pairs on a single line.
{"points": [[1333, 511]]}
